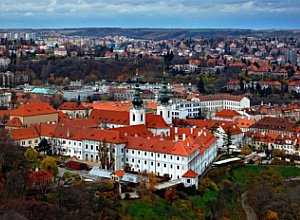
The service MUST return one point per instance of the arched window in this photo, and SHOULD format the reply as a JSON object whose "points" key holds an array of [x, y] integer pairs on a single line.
{"points": [[133, 117]]}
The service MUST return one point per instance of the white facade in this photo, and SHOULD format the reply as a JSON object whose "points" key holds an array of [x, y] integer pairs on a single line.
{"points": [[137, 116], [166, 112]]}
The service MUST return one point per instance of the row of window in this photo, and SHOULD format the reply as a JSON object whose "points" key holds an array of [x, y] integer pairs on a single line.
{"points": [[152, 154]]}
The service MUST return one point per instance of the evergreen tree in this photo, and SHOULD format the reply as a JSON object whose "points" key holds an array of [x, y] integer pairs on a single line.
{"points": [[44, 147], [201, 87]]}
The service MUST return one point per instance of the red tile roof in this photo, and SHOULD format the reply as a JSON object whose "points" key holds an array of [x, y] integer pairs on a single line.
{"points": [[24, 133], [190, 174], [227, 113], [184, 148], [278, 124], [40, 175], [122, 117], [244, 123], [15, 122], [71, 106], [155, 121], [221, 97], [119, 173], [40, 108]]}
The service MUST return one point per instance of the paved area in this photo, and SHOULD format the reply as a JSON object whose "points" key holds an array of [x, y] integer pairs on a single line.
{"points": [[251, 215]]}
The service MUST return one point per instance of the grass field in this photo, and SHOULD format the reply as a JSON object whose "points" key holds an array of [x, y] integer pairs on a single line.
{"points": [[194, 207]]}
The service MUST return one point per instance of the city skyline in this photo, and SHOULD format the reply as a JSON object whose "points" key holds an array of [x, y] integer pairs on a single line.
{"points": [[266, 14]]}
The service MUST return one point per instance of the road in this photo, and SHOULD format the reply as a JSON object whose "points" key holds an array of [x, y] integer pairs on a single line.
{"points": [[251, 215]]}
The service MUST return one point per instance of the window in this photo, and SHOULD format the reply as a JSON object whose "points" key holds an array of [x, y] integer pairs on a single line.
{"points": [[133, 117], [92, 147], [177, 167], [35, 141], [168, 114], [142, 117], [132, 160], [165, 156], [171, 166], [188, 181], [145, 153], [158, 164], [160, 112], [151, 163], [165, 165], [139, 161], [96, 157], [139, 152], [126, 150], [29, 142], [122, 150], [145, 161], [79, 144], [151, 154], [171, 157], [132, 151], [177, 158], [97, 147], [86, 146], [157, 155]]}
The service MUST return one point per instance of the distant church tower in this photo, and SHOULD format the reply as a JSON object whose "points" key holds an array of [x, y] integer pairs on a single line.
{"points": [[164, 108], [137, 110]]}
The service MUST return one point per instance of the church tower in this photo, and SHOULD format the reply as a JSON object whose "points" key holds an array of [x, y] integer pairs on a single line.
{"points": [[137, 110], [164, 108]]}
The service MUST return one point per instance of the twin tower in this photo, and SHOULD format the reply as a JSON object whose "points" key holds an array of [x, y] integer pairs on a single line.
{"points": [[138, 111]]}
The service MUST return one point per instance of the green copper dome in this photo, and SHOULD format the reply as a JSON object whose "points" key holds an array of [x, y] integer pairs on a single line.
{"points": [[137, 99], [163, 96]]}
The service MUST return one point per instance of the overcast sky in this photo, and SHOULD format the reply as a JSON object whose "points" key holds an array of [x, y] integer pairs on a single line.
{"points": [[255, 14]]}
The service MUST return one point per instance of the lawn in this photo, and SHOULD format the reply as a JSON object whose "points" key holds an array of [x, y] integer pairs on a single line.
{"points": [[194, 207], [241, 173]]}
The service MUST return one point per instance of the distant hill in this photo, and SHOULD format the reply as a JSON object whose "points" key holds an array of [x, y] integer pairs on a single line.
{"points": [[160, 34]]}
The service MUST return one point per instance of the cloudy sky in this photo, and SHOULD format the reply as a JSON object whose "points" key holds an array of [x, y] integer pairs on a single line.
{"points": [[256, 14]]}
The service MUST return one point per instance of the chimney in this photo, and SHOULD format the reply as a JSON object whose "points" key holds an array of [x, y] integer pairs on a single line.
{"points": [[192, 130], [125, 134], [204, 134], [176, 130], [68, 131], [183, 136]]}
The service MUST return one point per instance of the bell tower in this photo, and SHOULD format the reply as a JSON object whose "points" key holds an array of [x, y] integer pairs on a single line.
{"points": [[137, 110]]}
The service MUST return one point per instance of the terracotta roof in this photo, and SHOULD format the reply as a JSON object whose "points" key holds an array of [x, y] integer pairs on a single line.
{"points": [[155, 121], [113, 117], [78, 122], [119, 173], [24, 133], [40, 108], [15, 122], [62, 116], [221, 97], [71, 106], [132, 131], [40, 175], [122, 117], [244, 123], [190, 174], [184, 148], [227, 113], [279, 124], [294, 83], [117, 106]]}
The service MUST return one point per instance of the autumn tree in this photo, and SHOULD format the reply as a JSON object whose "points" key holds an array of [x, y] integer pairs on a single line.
{"points": [[246, 150], [49, 164]]}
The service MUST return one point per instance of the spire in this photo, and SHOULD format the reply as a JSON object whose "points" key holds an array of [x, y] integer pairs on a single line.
{"points": [[163, 96], [137, 100]]}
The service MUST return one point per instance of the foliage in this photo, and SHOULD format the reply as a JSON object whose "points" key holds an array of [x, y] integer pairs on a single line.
{"points": [[44, 147], [49, 164], [246, 150]]}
